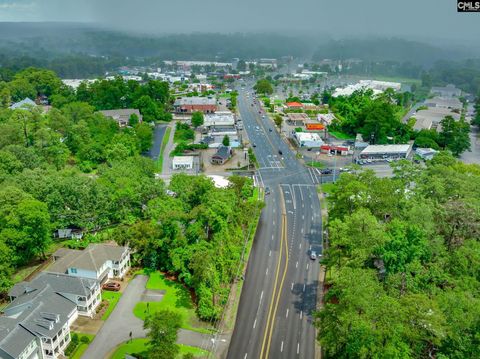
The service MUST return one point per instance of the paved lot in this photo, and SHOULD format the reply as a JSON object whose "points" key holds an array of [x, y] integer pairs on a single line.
{"points": [[121, 322], [473, 156]]}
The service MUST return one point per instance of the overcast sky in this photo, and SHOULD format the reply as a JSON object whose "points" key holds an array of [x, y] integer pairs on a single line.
{"points": [[423, 19]]}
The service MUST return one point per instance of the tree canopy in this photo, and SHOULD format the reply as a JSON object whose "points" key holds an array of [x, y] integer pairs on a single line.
{"points": [[402, 263]]}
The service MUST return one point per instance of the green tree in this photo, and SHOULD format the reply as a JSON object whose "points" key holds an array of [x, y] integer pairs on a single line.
{"points": [[226, 141], [197, 119], [162, 332], [133, 120], [455, 135], [278, 120], [264, 87]]}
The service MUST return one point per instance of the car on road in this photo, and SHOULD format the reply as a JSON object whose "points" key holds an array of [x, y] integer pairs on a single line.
{"points": [[254, 145], [111, 286], [313, 255], [260, 112], [280, 152], [257, 128], [267, 190], [326, 171], [270, 130]]}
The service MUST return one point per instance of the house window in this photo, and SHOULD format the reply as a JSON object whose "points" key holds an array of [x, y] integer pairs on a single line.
{"points": [[73, 270]]}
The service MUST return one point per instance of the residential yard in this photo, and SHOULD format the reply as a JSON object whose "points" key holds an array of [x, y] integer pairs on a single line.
{"points": [[77, 354], [177, 298], [140, 345], [112, 298]]}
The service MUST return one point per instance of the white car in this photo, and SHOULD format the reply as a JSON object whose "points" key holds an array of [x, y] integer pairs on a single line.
{"points": [[313, 255]]}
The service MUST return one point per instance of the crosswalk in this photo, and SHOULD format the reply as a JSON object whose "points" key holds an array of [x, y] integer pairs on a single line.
{"points": [[315, 175]]}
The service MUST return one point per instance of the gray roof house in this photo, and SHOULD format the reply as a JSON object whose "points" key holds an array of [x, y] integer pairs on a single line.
{"points": [[25, 104], [122, 116], [98, 261], [84, 292], [36, 324]]}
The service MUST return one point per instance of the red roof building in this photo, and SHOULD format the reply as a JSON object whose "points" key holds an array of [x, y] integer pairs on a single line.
{"points": [[295, 105]]}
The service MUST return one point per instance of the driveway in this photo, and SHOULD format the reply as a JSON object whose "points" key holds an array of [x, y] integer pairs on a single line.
{"points": [[121, 321], [158, 134]]}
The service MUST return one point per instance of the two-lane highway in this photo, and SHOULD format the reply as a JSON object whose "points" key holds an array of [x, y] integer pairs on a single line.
{"points": [[274, 319]]}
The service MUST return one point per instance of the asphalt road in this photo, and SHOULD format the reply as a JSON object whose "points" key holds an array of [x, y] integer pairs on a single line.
{"points": [[158, 133], [274, 318]]}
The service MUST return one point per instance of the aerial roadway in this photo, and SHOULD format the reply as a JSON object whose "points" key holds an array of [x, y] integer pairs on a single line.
{"points": [[279, 294]]}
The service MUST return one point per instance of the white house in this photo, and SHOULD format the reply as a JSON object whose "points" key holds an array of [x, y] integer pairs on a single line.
{"points": [[308, 139], [98, 261]]}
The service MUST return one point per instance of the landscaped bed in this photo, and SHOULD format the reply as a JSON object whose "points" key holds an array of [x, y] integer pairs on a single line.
{"points": [[112, 299]]}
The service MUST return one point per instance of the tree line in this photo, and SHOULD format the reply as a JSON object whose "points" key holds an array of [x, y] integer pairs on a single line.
{"points": [[403, 263]]}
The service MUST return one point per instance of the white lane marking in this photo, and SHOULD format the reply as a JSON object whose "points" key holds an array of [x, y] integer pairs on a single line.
{"points": [[286, 315], [307, 267], [261, 296], [303, 287], [301, 230], [301, 314], [281, 347], [312, 218], [303, 216], [273, 222], [245, 357], [296, 265], [292, 285], [270, 253], [274, 210], [255, 323], [298, 348], [303, 205], [272, 238], [310, 247], [266, 272], [300, 247]]}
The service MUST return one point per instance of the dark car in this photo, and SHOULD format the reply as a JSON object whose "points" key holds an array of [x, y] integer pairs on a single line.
{"points": [[326, 171], [267, 190], [254, 145], [111, 286], [270, 129], [280, 152]]}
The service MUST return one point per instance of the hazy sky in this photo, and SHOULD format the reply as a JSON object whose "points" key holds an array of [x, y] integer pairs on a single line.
{"points": [[428, 19]]}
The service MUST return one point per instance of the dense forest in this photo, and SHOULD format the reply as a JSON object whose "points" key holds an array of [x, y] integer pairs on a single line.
{"points": [[72, 167], [403, 264]]}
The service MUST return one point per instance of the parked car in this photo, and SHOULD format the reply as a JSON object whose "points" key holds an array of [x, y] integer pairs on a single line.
{"points": [[111, 286], [326, 171]]}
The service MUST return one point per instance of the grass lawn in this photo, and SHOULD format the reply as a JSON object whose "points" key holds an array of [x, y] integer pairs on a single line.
{"points": [[327, 187], [112, 298], [315, 164], [197, 352], [177, 298], [165, 140], [135, 346], [140, 345], [341, 135], [77, 354]]}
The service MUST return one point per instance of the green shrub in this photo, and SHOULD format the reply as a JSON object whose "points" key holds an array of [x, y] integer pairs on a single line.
{"points": [[84, 339]]}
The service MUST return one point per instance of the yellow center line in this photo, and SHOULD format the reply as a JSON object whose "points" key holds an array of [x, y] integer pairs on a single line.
{"points": [[276, 293]]}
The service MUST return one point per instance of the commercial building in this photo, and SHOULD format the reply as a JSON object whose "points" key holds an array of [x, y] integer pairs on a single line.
{"points": [[425, 153], [122, 116], [24, 104], [188, 105], [219, 119], [222, 155], [335, 150], [294, 105], [432, 116], [307, 139], [297, 119], [376, 86], [325, 119], [446, 91], [182, 163], [98, 261], [386, 152], [444, 102]]}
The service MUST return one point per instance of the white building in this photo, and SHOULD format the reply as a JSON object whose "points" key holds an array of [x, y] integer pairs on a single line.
{"points": [[182, 163], [386, 151], [219, 119], [98, 261], [376, 86], [308, 139]]}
